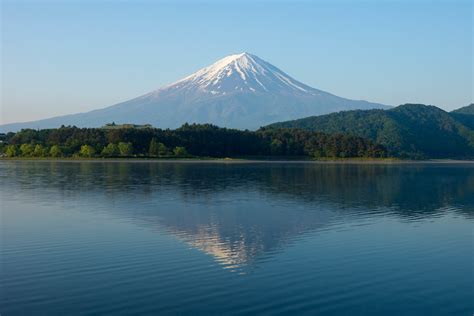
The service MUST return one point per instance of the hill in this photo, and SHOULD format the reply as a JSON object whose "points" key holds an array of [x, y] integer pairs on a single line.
{"points": [[466, 110], [410, 130], [465, 115]]}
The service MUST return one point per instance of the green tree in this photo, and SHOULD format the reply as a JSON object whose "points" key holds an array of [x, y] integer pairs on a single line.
{"points": [[125, 149], [87, 151], [39, 151], [11, 151], [162, 149], [26, 150], [180, 152], [55, 151], [276, 147], [153, 149], [110, 150]]}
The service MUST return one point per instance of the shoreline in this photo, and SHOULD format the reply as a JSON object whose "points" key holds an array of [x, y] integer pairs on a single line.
{"points": [[207, 160]]}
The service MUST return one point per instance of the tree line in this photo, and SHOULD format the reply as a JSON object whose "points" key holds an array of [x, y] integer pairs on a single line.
{"points": [[198, 140]]}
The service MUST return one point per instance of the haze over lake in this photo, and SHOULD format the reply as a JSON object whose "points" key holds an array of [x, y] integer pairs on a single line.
{"points": [[212, 238]]}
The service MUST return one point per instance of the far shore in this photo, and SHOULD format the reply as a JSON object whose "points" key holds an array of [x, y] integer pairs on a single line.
{"points": [[246, 160]]}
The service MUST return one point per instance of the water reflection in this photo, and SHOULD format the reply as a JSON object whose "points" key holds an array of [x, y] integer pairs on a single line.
{"points": [[242, 213]]}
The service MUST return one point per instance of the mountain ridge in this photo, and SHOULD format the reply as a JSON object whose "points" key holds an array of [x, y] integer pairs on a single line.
{"points": [[469, 109], [409, 130]]}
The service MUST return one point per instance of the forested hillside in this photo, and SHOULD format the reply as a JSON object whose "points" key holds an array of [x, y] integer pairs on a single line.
{"points": [[465, 115], [466, 110], [410, 130]]}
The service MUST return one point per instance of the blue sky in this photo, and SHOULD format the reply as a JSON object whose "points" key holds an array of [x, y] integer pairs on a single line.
{"points": [[63, 57]]}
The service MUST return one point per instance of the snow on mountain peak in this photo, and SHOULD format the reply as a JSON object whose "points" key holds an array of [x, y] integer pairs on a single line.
{"points": [[242, 72]]}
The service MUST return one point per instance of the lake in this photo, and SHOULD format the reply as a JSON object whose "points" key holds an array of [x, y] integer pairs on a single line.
{"points": [[138, 237]]}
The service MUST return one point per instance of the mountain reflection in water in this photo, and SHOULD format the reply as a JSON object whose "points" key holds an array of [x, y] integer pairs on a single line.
{"points": [[219, 212]]}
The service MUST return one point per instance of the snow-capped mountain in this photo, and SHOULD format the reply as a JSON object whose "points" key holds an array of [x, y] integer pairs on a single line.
{"points": [[238, 91], [240, 73]]}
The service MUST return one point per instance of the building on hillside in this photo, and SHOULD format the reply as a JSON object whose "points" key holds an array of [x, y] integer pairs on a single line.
{"points": [[118, 126]]}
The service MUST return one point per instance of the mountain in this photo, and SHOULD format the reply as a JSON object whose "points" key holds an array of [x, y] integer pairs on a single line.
{"points": [[410, 130], [465, 115], [466, 110], [238, 91]]}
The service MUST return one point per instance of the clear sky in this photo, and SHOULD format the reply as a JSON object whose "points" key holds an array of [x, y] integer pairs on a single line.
{"points": [[61, 57]]}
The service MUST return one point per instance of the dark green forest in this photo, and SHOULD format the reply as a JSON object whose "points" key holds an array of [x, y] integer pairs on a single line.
{"points": [[408, 131], [466, 110], [412, 131], [187, 141]]}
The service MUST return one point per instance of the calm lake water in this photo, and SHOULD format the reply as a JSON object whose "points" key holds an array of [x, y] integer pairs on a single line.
{"points": [[217, 238]]}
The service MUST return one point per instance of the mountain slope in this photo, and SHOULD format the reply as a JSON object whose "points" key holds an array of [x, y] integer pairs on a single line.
{"points": [[410, 130], [466, 110], [465, 115], [238, 91]]}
